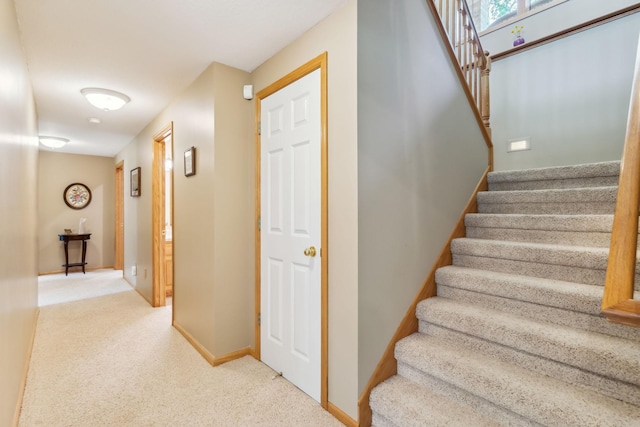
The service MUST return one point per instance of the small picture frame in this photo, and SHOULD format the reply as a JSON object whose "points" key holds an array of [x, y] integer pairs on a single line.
{"points": [[135, 182], [190, 162]]}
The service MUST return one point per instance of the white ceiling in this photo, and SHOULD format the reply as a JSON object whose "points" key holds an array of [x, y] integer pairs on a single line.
{"points": [[150, 50]]}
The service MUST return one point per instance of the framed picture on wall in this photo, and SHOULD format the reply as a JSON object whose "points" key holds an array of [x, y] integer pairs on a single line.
{"points": [[135, 182], [190, 161]]}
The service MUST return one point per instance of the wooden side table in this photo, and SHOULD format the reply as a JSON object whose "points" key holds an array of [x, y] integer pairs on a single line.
{"points": [[66, 238]]}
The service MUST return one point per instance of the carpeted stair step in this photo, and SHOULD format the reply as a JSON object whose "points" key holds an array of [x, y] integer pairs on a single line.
{"points": [[601, 174], [492, 386], [575, 230], [578, 264], [468, 399], [409, 404], [609, 356], [607, 364], [573, 201], [565, 303], [622, 391], [515, 333]]}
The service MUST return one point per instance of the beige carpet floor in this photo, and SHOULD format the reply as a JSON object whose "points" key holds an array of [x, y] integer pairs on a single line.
{"points": [[103, 357]]}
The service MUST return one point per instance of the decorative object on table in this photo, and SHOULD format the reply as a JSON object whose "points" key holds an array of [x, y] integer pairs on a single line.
{"points": [[190, 161], [77, 196], [135, 182], [518, 36], [67, 231], [81, 225]]}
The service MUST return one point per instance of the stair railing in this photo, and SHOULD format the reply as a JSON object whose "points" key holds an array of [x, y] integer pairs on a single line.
{"points": [[475, 64], [618, 304]]}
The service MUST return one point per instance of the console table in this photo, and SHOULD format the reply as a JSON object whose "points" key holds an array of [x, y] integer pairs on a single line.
{"points": [[66, 238]]}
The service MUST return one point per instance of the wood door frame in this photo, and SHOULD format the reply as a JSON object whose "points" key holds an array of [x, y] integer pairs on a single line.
{"points": [[118, 257], [159, 297], [320, 62]]}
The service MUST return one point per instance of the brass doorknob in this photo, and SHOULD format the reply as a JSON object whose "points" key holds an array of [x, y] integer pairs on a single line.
{"points": [[310, 251]]}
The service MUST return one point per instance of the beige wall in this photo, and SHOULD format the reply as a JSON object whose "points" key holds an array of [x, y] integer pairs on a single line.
{"points": [[234, 212], [56, 172], [214, 238], [130, 157], [337, 36], [18, 225], [213, 211]]}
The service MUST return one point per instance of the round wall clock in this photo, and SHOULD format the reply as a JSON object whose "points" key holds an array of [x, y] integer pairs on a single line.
{"points": [[77, 196]]}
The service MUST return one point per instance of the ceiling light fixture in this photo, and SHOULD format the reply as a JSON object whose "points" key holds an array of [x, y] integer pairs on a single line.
{"points": [[94, 120], [53, 141], [105, 99]]}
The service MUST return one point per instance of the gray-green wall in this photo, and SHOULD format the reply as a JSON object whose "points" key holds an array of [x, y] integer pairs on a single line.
{"points": [[570, 97], [420, 155]]}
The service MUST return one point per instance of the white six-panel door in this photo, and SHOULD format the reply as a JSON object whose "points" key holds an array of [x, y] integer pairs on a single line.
{"points": [[290, 190]]}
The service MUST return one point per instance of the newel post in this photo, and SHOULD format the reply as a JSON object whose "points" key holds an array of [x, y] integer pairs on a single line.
{"points": [[485, 94]]}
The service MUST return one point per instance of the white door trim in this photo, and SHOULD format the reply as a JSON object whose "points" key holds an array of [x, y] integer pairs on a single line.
{"points": [[319, 62]]}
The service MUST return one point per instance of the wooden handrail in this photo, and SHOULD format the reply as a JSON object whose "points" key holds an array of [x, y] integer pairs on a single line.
{"points": [[618, 304]]}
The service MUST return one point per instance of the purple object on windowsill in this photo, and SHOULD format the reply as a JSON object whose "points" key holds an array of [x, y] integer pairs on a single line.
{"points": [[518, 41]]}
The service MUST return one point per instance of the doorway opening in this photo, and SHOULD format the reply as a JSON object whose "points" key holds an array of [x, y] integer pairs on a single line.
{"points": [[162, 217]]}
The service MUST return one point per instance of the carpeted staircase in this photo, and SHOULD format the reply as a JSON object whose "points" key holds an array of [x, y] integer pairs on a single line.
{"points": [[514, 336]]}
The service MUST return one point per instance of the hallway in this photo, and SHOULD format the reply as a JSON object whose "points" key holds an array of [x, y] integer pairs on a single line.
{"points": [[103, 357]]}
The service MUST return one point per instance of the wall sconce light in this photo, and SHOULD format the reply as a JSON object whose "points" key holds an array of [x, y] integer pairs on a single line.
{"points": [[105, 99], [53, 141]]}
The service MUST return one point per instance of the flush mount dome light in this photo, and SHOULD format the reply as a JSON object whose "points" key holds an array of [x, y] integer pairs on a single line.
{"points": [[53, 141], [105, 99]]}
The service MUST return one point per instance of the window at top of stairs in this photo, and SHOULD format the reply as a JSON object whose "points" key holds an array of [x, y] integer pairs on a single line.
{"points": [[489, 15]]}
